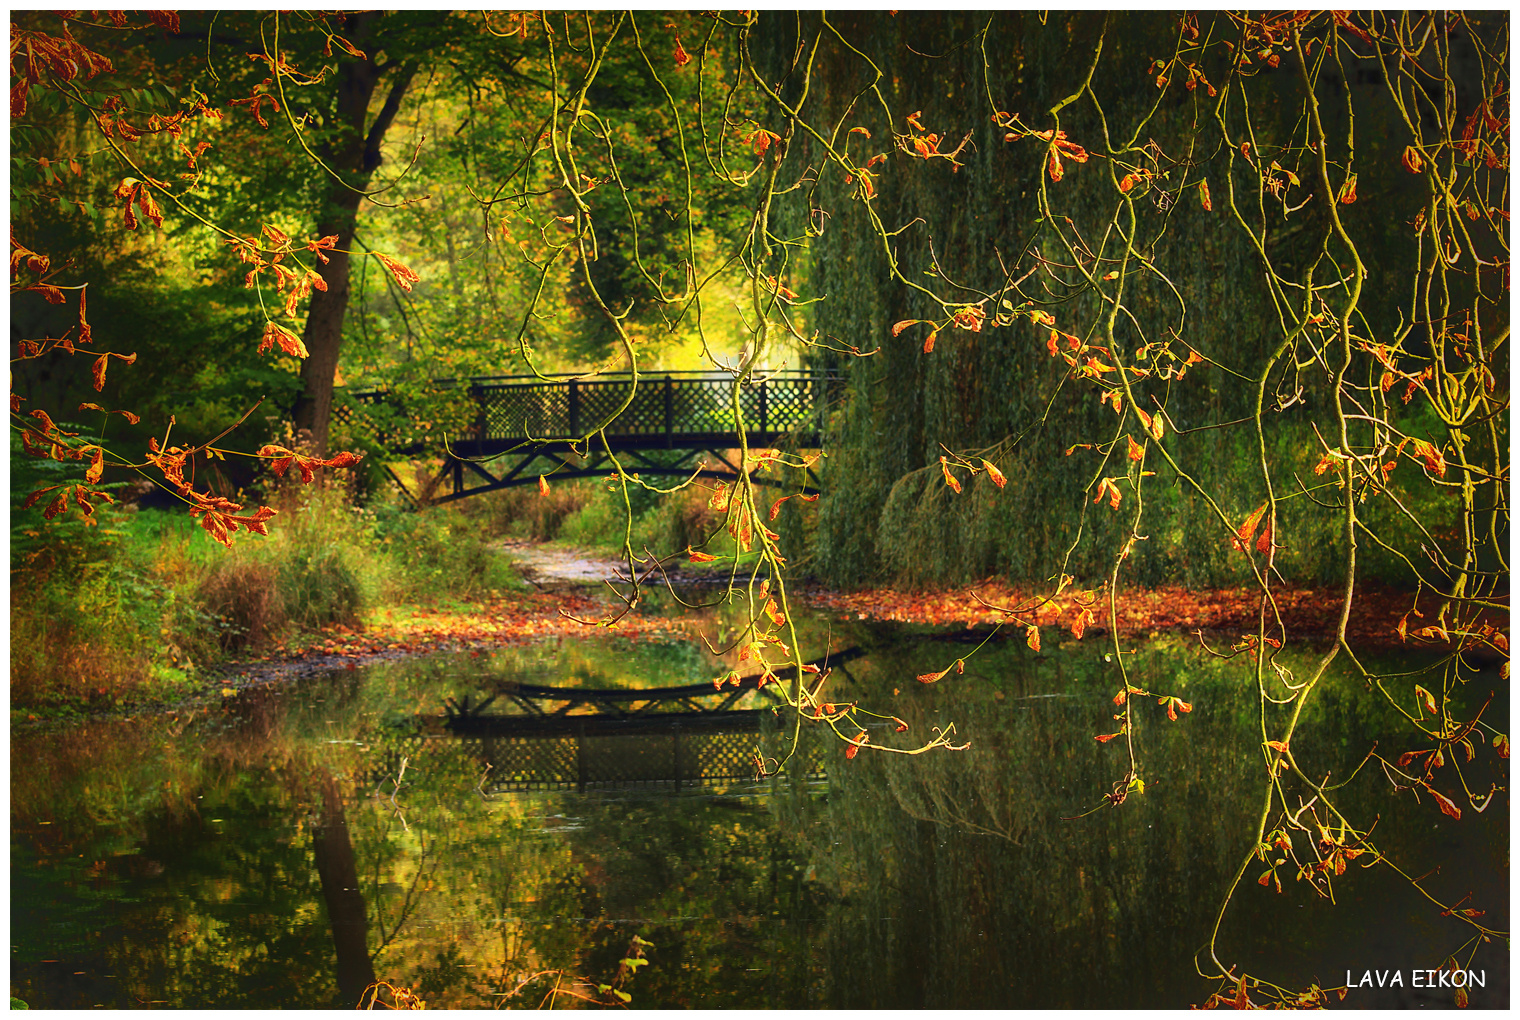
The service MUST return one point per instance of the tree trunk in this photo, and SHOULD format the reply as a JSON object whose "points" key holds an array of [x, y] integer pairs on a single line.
{"points": [[354, 157], [339, 873]]}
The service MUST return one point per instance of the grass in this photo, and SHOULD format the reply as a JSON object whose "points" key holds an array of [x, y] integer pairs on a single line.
{"points": [[134, 606]]}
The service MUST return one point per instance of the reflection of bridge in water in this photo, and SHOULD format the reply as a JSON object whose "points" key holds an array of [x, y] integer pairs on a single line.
{"points": [[520, 419], [673, 738]]}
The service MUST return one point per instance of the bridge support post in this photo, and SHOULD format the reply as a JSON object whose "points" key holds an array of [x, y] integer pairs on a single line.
{"points": [[575, 409]]}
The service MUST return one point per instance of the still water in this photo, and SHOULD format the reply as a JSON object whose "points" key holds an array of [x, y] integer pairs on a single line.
{"points": [[262, 854]]}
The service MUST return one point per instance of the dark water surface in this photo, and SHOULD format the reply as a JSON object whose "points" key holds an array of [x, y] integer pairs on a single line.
{"points": [[251, 855]]}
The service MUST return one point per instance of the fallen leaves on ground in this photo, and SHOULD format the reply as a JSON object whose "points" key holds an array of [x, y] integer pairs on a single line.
{"points": [[1306, 612], [525, 617], [517, 619]]}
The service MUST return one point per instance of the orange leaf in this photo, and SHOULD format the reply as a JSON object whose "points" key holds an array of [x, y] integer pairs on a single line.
{"points": [[1054, 166], [1434, 462], [1136, 451], [1411, 160], [700, 557], [1448, 807], [1203, 195], [288, 341], [1425, 699], [404, 276], [855, 745], [719, 500], [682, 58], [1501, 745], [898, 327], [1122, 696], [1032, 637], [543, 486], [97, 466], [1243, 535], [950, 479], [1104, 738], [998, 478], [1347, 193], [929, 342]]}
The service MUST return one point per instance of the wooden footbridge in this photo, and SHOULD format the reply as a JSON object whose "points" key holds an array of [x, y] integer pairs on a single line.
{"points": [[491, 430], [575, 738]]}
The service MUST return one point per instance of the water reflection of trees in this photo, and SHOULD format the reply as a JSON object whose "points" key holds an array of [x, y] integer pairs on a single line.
{"points": [[945, 881]]}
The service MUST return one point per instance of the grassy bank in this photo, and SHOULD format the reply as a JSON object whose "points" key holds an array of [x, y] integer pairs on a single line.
{"points": [[137, 605]]}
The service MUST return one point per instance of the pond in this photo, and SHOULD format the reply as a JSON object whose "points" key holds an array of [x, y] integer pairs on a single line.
{"points": [[284, 848]]}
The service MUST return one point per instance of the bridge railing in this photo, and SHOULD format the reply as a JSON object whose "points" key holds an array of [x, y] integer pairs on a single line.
{"points": [[501, 410]]}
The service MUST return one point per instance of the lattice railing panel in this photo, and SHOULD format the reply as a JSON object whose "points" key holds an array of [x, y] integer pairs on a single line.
{"points": [[677, 404]]}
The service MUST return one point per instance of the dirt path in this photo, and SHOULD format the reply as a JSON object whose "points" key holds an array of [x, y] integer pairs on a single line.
{"points": [[548, 569]]}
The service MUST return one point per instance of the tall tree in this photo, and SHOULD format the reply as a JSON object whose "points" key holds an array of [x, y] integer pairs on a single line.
{"points": [[351, 153]]}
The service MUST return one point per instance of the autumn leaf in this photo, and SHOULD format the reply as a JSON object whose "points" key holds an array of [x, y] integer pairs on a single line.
{"points": [[1425, 699], [929, 342], [1104, 738], [1032, 637], [97, 464], [1407, 757], [901, 726], [1123, 696], [1054, 166], [719, 500], [1347, 194], [1448, 807], [98, 368], [1243, 536], [1128, 183], [1106, 485], [929, 678], [855, 745], [1501, 745], [998, 478], [274, 333], [1412, 160], [1434, 462], [950, 479], [1203, 196], [682, 58], [1136, 451], [404, 276], [898, 327], [543, 486], [700, 557]]}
